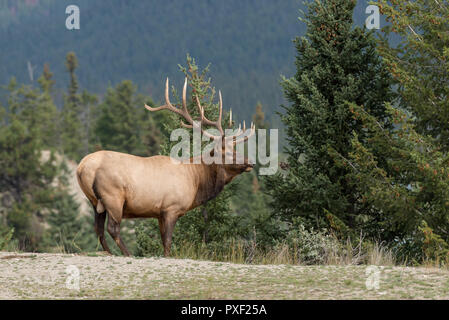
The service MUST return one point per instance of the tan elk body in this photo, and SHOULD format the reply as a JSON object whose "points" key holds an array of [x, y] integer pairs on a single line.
{"points": [[121, 186]]}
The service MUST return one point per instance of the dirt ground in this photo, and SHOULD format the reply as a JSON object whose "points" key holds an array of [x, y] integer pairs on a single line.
{"points": [[98, 276]]}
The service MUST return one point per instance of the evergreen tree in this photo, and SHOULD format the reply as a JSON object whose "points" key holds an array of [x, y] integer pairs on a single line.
{"points": [[71, 125], [420, 61], [250, 201], [124, 125], [259, 117], [46, 80], [335, 63], [408, 194], [90, 104], [36, 109], [214, 222], [67, 230], [46, 114], [26, 174]]}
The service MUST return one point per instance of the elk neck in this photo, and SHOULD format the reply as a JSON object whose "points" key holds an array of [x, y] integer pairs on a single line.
{"points": [[209, 179]]}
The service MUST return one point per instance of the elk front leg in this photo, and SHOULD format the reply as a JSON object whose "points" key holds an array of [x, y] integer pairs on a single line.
{"points": [[114, 231], [166, 227]]}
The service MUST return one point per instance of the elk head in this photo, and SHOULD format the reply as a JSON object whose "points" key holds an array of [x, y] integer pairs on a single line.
{"points": [[225, 145]]}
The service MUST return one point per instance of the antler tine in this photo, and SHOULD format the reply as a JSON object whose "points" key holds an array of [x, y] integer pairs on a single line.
{"points": [[204, 120], [168, 106], [244, 139], [184, 107], [167, 94], [230, 118], [236, 135], [220, 112], [184, 96], [185, 113]]}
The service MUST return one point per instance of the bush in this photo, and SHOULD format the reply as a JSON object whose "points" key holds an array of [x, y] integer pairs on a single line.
{"points": [[148, 238], [309, 247], [5, 238]]}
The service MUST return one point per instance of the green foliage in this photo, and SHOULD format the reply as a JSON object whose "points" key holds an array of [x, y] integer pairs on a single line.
{"points": [[67, 230], [5, 238], [250, 203], [401, 172], [309, 246], [25, 175], [336, 62], [433, 246], [148, 239], [420, 61], [409, 189], [123, 124], [72, 132], [20, 218], [35, 109]]}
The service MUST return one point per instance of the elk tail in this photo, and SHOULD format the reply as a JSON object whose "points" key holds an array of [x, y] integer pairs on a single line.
{"points": [[100, 207]]}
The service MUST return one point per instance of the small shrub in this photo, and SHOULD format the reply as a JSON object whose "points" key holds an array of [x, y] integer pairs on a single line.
{"points": [[434, 248], [148, 239], [308, 247], [5, 238]]}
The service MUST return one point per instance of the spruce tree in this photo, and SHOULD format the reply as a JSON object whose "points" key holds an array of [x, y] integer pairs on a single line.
{"points": [[26, 176], [409, 193], [67, 230], [124, 125], [116, 127], [214, 223], [251, 202], [419, 62], [71, 125], [336, 63], [46, 112]]}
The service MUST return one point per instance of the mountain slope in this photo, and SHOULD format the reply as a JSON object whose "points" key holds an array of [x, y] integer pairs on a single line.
{"points": [[249, 44]]}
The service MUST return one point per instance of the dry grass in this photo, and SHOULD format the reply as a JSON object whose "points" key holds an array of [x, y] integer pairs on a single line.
{"points": [[249, 253]]}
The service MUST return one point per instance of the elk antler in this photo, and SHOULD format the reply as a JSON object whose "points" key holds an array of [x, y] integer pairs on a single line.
{"points": [[204, 121], [168, 106]]}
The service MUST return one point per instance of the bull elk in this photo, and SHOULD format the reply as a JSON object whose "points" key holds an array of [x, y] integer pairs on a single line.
{"points": [[123, 186]]}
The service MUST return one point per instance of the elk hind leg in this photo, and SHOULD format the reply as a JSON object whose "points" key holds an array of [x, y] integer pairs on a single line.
{"points": [[99, 229], [114, 208], [114, 231]]}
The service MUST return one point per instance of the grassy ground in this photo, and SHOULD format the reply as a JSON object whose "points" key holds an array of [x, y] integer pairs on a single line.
{"points": [[44, 276]]}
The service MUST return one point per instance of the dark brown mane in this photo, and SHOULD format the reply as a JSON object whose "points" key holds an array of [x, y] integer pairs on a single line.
{"points": [[210, 182]]}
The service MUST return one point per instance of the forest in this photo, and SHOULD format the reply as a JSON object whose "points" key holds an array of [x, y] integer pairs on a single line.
{"points": [[364, 170]]}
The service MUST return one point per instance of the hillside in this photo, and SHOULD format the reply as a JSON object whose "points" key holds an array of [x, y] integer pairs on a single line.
{"points": [[249, 44], [44, 276]]}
